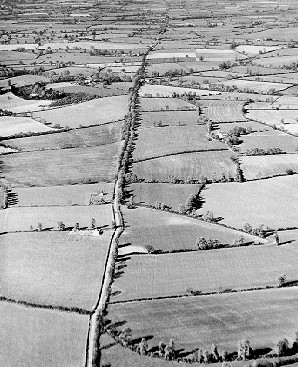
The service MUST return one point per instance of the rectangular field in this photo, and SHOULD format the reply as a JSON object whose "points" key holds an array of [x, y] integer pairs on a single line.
{"points": [[30, 334], [168, 91], [16, 125], [169, 118], [181, 166], [165, 104], [59, 195], [59, 269], [85, 137], [161, 141], [272, 202], [10, 102], [20, 219], [169, 194], [95, 112], [168, 232], [60, 167], [197, 322], [151, 276], [257, 167]]}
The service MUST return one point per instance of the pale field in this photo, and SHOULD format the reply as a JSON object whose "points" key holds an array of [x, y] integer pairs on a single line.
{"points": [[152, 276], [217, 54], [53, 268], [272, 202], [29, 335], [164, 104], [274, 117], [10, 102], [167, 55], [21, 218], [90, 44], [95, 112], [169, 118], [28, 46], [263, 166], [276, 61], [60, 195], [15, 125], [168, 90], [255, 85], [197, 322], [254, 49], [22, 80]]}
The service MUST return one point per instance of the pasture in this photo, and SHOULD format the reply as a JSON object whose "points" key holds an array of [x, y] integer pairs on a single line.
{"points": [[271, 202], [21, 218], [255, 49], [152, 276], [83, 137], [114, 355], [258, 167], [10, 102], [168, 90], [211, 164], [269, 139], [163, 141], [168, 232], [31, 334], [223, 111], [78, 165], [169, 194], [16, 125], [59, 269], [280, 118], [197, 322], [65, 195], [256, 86], [95, 112], [210, 54], [168, 118], [165, 104]]}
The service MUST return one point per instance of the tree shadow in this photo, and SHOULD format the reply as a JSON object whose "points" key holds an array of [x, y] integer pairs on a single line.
{"points": [[138, 340], [261, 351]]}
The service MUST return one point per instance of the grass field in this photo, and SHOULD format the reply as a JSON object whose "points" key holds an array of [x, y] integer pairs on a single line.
{"points": [[258, 87], [79, 165], [111, 90], [10, 102], [151, 276], [169, 118], [59, 269], [59, 195], [167, 91], [94, 112], [269, 139], [16, 125], [169, 194], [256, 167], [85, 137], [181, 166], [163, 104], [29, 335], [114, 355], [168, 232], [21, 218], [254, 50], [271, 202], [223, 111], [274, 117], [220, 319], [161, 141]]}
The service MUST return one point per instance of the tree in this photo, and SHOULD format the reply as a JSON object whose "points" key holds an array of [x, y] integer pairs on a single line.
{"points": [[215, 354], [181, 209], [125, 337], [276, 236], [77, 226], [61, 226], [244, 350], [281, 280], [202, 243], [161, 348], [93, 223], [247, 228], [142, 348], [282, 348], [39, 226]]}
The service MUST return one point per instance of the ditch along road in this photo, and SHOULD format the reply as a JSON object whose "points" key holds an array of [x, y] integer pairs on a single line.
{"points": [[92, 346]]}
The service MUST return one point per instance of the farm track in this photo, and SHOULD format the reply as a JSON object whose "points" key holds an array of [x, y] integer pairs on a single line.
{"points": [[178, 153], [76, 310], [93, 333]]}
